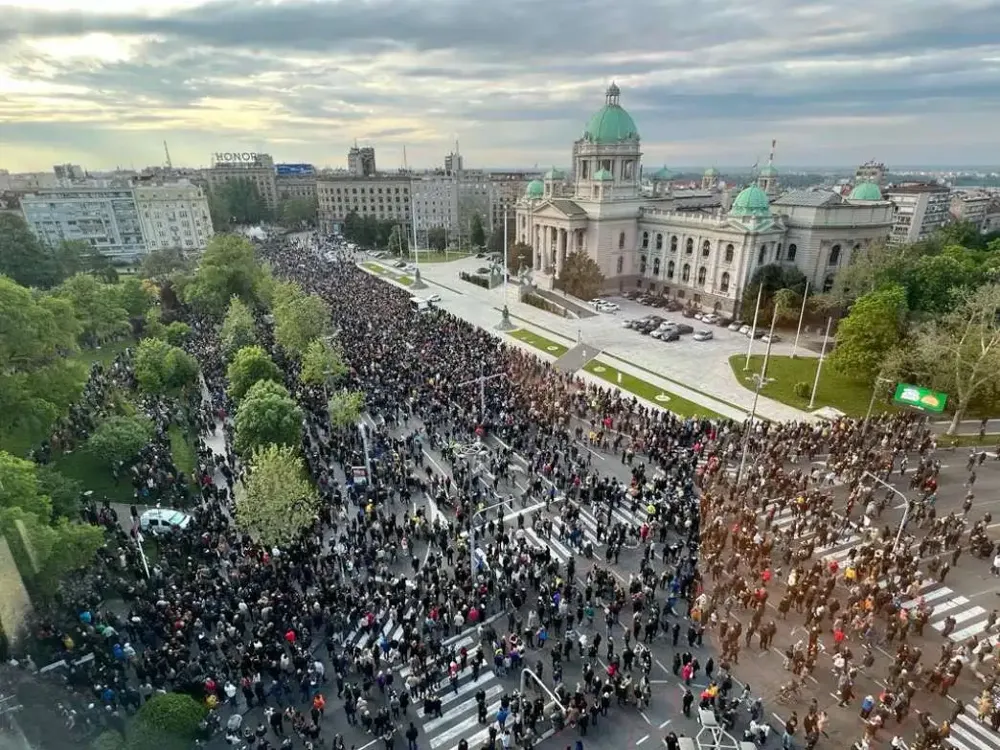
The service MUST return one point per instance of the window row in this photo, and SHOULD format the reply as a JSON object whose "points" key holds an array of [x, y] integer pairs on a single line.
{"points": [[685, 272], [706, 246]]}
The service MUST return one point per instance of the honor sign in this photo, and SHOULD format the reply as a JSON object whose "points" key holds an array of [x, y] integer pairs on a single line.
{"points": [[236, 157]]}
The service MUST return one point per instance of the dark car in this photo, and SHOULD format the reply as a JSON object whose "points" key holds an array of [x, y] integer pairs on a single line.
{"points": [[671, 335], [683, 329]]}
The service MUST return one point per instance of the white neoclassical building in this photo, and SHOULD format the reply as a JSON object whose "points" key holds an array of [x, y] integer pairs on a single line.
{"points": [[698, 246]]}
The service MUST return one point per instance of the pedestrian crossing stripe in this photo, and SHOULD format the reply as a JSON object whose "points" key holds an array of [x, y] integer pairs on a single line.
{"points": [[969, 734], [462, 714]]}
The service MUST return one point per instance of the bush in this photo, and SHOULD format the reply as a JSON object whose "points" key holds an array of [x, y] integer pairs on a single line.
{"points": [[802, 389], [543, 304], [119, 439], [477, 280], [165, 722], [108, 740]]}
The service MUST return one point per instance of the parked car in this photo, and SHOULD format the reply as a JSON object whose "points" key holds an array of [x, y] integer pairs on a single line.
{"points": [[670, 335], [483, 270], [724, 322], [704, 336], [770, 338], [745, 330], [709, 318], [604, 306], [163, 521], [628, 323], [698, 315], [399, 264], [683, 329], [433, 297]]}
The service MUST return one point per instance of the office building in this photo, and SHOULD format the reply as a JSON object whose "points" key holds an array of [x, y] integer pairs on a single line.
{"points": [[361, 161], [69, 172], [174, 215], [295, 182], [453, 162], [384, 197], [506, 188], [971, 207], [435, 202], [921, 209], [106, 218], [258, 170]]}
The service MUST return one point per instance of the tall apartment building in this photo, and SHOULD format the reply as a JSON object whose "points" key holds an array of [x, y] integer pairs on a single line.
{"points": [[259, 170], [921, 209], [435, 202], [385, 197], [361, 161], [106, 218], [972, 207], [174, 215], [506, 189], [870, 171], [295, 181]]}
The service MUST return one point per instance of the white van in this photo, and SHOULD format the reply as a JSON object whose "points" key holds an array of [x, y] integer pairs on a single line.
{"points": [[419, 304]]}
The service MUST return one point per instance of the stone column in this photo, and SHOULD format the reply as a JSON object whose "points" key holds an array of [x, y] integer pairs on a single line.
{"points": [[560, 250], [536, 255]]}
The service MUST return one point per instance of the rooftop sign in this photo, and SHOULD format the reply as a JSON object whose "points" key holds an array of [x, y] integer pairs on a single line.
{"points": [[235, 157]]}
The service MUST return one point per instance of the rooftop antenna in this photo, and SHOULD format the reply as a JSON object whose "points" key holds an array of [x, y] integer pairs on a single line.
{"points": [[770, 158], [405, 167], [167, 152]]}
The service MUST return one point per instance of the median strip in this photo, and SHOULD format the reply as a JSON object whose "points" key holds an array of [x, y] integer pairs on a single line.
{"points": [[539, 342], [647, 391]]}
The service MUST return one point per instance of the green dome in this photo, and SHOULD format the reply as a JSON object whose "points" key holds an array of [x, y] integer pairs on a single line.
{"points": [[752, 201], [662, 174], [866, 191], [611, 123], [554, 174], [536, 189], [603, 175], [710, 172]]}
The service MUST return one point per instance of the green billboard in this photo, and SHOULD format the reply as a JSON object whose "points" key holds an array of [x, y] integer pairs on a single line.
{"points": [[920, 398]]}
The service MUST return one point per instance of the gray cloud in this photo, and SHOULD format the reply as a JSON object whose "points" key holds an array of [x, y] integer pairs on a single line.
{"points": [[701, 77]]}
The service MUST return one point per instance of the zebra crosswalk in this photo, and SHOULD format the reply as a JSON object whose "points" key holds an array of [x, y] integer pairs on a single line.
{"points": [[969, 734], [383, 624], [970, 620]]}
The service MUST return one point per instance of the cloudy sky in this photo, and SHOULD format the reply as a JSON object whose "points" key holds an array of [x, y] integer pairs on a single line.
{"points": [[836, 82]]}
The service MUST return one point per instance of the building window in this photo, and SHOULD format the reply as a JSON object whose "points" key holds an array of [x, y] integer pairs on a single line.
{"points": [[791, 251], [834, 255], [706, 248], [645, 240], [659, 241], [689, 246], [686, 272], [702, 273], [730, 252], [762, 255], [777, 252], [673, 244], [828, 283], [656, 266], [621, 241], [670, 270], [642, 264], [724, 283], [621, 262]]}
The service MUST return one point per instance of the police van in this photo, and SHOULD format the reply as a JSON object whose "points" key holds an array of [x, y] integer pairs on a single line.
{"points": [[420, 305]]}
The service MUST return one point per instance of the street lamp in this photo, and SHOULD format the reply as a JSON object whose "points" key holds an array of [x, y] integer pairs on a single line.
{"points": [[472, 532], [871, 403], [906, 506], [760, 379], [505, 324]]}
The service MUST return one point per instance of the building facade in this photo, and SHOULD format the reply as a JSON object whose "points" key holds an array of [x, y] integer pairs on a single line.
{"points": [[921, 209], [106, 218], [699, 246], [259, 171], [174, 216], [435, 202], [870, 171], [385, 197], [361, 161], [506, 189], [971, 207]]}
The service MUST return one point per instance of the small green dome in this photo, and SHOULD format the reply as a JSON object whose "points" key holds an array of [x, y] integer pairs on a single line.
{"points": [[611, 123], [603, 175], [752, 201], [769, 171], [536, 189], [662, 174], [710, 172], [866, 191], [555, 174]]}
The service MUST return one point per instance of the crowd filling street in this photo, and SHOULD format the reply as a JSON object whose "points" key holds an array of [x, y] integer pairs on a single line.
{"points": [[526, 555]]}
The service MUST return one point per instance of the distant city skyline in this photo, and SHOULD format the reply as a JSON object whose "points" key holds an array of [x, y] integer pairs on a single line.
{"points": [[902, 81]]}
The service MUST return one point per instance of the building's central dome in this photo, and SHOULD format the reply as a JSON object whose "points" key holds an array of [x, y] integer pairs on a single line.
{"points": [[611, 123]]}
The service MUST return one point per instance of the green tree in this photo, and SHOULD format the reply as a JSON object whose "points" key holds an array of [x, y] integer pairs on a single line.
{"points": [[161, 368], [397, 243], [771, 277], [519, 257], [477, 234], [97, 306], [296, 212], [63, 492], [177, 333], [242, 202], [959, 353], [160, 264], [169, 721], [276, 501], [323, 364], [47, 553], [300, 321], [109, 739], [228, 268], [873, 328], [119, 439], [934, 280], [267, 415], [871, 268], [346, 407], [250, 365], [581, 276], [963, 234], [437, 238], [238, 328], [22, 257], [134, 297], [19, 487]]}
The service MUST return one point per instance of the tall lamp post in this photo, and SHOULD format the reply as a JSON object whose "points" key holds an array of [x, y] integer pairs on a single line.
{"points": [[505, 324], [906, 506], [802, 314], [819, 365], [417, 281], [759, 380], [753, 328], [871, 402]]}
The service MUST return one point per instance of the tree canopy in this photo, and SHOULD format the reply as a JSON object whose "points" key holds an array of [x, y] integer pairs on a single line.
{"points": [[119, 439], [239, 202], [238, 328], [870, 331], [228, 269], [581, 276], [477, 235], [161, 367], [322, 364], [367, 231], [346, 407], [276, 501], [295, 212], [519, 256], [250, 365], [267, 415], [300, 321], [97, 306]]}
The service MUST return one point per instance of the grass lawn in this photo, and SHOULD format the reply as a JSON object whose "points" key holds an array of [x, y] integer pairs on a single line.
{"points": [[539, 342], [376, 268], [404, 280], [835, 389], [437, 257], [94, 476], [182, 449], [647, 391]]}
